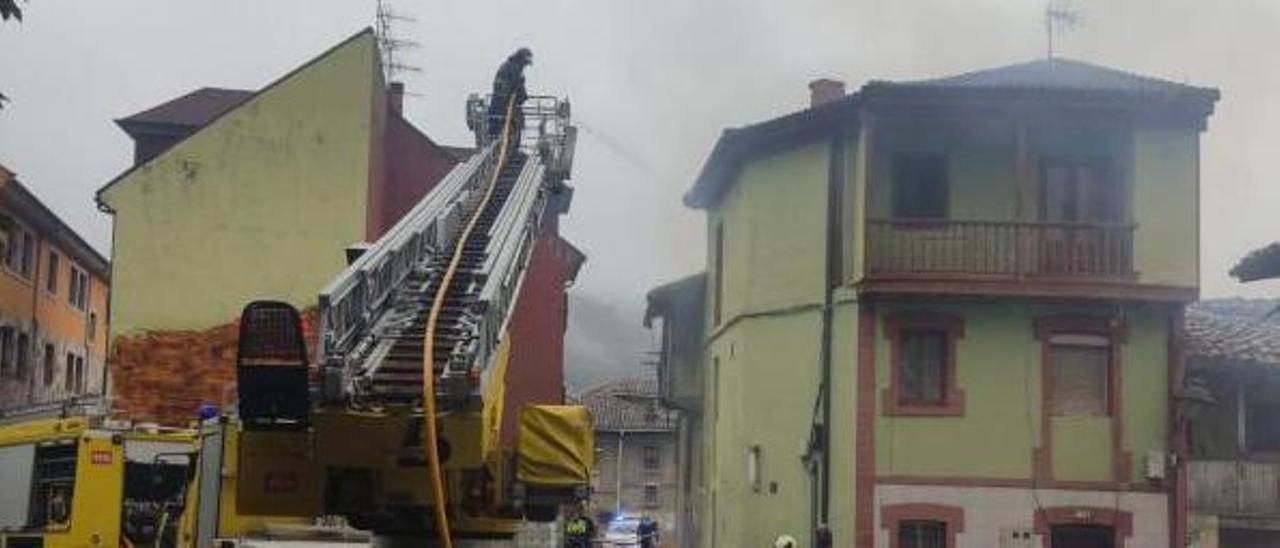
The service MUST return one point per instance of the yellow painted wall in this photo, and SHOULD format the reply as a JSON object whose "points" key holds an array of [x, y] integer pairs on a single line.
{"points": [[1166, 194], [998, 367], [258, 204]]}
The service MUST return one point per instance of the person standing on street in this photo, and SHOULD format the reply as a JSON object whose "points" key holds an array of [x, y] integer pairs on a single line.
{"points": [[579, 530]]}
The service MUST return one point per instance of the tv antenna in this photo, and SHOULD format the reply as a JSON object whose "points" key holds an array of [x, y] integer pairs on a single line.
{"points": [[1058, 15], [392, 45]]}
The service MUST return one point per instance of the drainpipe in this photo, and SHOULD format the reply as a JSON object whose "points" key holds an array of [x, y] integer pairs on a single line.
{"points": [[32, 364], [834, 264], [617, 477]]}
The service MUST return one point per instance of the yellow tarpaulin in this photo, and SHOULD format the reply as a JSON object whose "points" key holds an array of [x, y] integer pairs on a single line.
{"points": [[555, 445]]}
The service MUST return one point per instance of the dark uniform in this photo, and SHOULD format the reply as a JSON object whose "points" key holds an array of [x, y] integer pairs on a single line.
{"points": [[509, 84]]}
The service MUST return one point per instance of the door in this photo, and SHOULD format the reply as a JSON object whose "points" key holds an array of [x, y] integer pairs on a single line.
{"points": [[1082, 536], [1078, 198]]}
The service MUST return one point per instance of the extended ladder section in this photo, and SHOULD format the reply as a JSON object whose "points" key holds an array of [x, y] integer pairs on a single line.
{"points": [[373, 314]]}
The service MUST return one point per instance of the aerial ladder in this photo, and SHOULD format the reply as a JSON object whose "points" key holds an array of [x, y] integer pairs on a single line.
{"points": [[396, 426]]}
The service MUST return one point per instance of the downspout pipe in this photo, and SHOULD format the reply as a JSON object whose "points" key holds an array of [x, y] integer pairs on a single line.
{"points": [[836, 173]]}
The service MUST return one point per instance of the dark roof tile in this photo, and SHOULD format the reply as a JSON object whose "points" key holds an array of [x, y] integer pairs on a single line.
{"points": [[1220, 336], [1056, 74], [192, 110]]}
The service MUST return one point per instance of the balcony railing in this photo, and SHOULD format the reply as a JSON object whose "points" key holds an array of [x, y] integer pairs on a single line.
{"points": [[1235, 487], [998, 248]]}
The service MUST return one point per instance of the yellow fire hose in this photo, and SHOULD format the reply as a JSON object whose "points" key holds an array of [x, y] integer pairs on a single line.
{"points": [[428, 379]]}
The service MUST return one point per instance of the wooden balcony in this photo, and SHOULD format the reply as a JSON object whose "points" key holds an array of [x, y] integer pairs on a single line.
{"points": [[998, 249], [1235, 488], [1013, 258]]}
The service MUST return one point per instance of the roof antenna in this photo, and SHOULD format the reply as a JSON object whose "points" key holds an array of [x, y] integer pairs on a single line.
{"points": [[390, 44], [1058, 13]]}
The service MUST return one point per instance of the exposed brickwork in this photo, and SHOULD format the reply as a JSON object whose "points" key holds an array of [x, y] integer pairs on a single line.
{"points": [[165, 376]]}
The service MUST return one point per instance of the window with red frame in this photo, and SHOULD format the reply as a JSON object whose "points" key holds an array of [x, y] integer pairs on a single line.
{"points": [[922, 367]]}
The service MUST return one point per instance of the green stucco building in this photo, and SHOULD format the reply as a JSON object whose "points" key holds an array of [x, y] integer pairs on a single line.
{"points": [[237, 195], [943, 313]]}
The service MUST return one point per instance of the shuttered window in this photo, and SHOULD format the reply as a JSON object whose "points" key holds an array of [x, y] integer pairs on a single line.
{"points": [[1079, 366]]}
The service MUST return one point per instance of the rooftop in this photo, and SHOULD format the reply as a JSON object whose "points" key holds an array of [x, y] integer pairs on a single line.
{"points": [[30, 210], [192, 110], [1261, 264], [1056, 74], [627, 404], [1039, 82], [1234, 332]]}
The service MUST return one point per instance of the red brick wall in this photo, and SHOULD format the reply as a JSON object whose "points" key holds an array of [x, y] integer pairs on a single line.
{"points": [[413, 166], [166, 376], [535, 373]]}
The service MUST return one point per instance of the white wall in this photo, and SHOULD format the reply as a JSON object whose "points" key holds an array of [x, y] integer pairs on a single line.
{"points": [[989, 510]]}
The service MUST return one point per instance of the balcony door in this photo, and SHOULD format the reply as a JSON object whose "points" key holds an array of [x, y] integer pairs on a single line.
{"points": [[1080, 200]]}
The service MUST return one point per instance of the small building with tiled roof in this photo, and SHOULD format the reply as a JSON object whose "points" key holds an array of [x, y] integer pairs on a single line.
{"points": [[1233, 401], [636, 452]]}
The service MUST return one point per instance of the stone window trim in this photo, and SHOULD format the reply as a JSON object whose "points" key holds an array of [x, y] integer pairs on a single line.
{"points": [[952, 325], [1120, 522], [892, 516]]}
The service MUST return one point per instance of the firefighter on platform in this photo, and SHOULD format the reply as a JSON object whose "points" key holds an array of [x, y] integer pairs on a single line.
{"points": [[508, 84]]}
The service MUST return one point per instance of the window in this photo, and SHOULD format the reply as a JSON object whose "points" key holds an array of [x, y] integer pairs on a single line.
{"points": [[652, 458], [1079, 190], [23, 355], [51, 279], [19, 251], [69, 376], [73, 285], [1262, 429], [13, 247], [92, 328], [1079, 375], [80, 375], [78, 288], [718, 251], [651, 494], [6, 348], [48, 365], [28, 254], [923, 360], [918, 533], [922, 525], [922, 367], [920, 187]]}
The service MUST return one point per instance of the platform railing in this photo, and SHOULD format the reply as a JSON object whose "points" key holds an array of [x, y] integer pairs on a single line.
{"points": [[998, 248]]}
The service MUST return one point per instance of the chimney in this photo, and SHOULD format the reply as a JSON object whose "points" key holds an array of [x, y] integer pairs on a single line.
{"points": [[395, 97], [825, 90]]}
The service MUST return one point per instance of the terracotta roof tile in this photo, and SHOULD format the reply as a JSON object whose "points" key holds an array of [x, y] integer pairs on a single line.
{"points": [[627, 404]]}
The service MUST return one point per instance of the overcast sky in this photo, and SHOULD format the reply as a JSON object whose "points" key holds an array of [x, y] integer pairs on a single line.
{"points": [[653, 82]]}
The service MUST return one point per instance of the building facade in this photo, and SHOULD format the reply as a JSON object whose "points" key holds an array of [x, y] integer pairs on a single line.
{"points": [[239, 195], [676, 310], [54, 289], [948, 312], [636, 454], [1233, 363]]}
